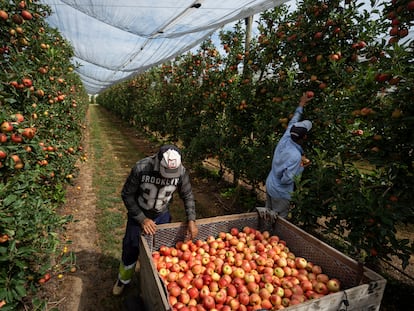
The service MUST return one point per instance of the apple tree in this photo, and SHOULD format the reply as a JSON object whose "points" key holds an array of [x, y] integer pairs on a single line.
{"points": [[361, 142], [236, 105], [42, 110]]}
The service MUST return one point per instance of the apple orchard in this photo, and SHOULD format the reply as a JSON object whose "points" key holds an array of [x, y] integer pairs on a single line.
{"points": [[230, 101], [235, 101]]}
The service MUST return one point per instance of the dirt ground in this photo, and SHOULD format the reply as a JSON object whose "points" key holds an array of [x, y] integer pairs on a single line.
{"points": [[89, 288]]}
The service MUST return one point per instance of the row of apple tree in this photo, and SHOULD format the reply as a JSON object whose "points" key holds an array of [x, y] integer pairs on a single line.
{"points": [[233, 103], [42, 109]]}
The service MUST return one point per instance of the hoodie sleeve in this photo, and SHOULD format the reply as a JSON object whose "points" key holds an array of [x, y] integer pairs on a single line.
{"points": [[186, 194], [129, 191]]}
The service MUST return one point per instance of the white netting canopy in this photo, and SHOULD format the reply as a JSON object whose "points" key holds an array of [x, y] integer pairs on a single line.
{"points": [[114, 40]]}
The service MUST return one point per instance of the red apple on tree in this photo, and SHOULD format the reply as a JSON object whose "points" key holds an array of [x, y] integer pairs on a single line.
{"points": [[16, 138], [27, 82], [26, 15], [318, 35], [3, 138], [17, 117], [310, 94], [3, 154], [6, 127], [4, 15]]}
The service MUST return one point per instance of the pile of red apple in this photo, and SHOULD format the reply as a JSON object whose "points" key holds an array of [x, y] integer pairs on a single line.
{"points": [[239, 270]]}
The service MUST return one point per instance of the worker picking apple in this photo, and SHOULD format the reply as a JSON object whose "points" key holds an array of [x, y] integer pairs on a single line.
{"points": [[288, 161]]}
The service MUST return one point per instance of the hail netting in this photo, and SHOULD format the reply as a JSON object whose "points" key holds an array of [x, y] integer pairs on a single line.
{"points": [[115, 40]]}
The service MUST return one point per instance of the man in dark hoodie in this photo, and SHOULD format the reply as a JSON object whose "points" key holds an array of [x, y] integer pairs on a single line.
{"points": [[147, 193]]}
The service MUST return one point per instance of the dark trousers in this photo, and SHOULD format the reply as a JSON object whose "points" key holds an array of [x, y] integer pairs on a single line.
{"points": [[130, 243]]}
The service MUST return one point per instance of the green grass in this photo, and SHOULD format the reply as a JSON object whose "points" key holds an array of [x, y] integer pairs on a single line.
{"points": [[109, 176]]}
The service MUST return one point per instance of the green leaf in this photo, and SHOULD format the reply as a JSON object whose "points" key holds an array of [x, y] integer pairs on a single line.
{"points": [[10, 199], [21, 290]]}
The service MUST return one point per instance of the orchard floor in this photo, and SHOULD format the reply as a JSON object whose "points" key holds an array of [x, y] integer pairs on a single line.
{"points": [[89, 288]]}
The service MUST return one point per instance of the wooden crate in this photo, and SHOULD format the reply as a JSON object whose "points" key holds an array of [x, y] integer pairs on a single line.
{"points": [[362, 288]]}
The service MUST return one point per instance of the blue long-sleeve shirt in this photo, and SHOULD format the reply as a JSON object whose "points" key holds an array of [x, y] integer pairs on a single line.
{"points": [[286, 163]]}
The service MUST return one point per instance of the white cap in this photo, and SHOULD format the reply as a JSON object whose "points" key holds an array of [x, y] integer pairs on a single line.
{"points": [[170, 164], [300, 130], [305, 123]]}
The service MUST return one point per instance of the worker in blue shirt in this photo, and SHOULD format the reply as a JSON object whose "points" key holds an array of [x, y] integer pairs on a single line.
{"points": [[288, 162]]}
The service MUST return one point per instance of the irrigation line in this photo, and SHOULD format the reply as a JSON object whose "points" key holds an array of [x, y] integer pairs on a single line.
{"points": [[398, 269]]}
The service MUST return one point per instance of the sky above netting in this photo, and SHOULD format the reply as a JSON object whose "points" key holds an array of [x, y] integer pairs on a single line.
{"points": [[115, 40]]}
